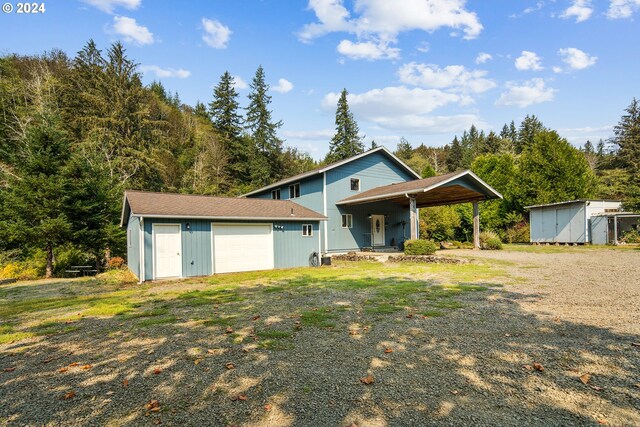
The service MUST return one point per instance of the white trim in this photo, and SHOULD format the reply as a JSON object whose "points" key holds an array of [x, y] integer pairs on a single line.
{"points": [[153, 247], [324, 205], [424, 190], [348, 216], [310, 230], [142, 277], [335, 165], [238, 218], [213, 246]]}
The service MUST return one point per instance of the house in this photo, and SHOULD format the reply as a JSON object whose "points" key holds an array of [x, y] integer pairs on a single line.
{"points": [[567, 222], [370, 200]]}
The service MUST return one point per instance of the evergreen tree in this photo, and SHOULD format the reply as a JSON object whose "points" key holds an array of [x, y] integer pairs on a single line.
{"points": [[627, 140], [428, 171], [346, 142], [224, 108], [262, 128], [529, 127], [404, 150], [200, 110], [455, 155]]}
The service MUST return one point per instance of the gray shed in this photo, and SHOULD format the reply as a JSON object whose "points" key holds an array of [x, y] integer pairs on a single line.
{"points": [[567, 222], [608, 228]]}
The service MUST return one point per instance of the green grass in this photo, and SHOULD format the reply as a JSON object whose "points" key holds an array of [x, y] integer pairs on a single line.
{"points": [[273, 334], [432, 313], [318, 318]]}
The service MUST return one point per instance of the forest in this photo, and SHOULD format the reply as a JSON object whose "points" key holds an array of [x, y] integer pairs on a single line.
{"points": [[75, 133]]}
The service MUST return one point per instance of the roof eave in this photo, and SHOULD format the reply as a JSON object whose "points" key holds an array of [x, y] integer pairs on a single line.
{"points": [[233, 218]]}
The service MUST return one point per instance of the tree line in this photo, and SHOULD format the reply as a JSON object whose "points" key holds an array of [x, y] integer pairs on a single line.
{"points": [[76, 132]]}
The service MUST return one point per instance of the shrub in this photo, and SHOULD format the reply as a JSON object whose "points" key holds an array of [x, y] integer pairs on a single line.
{"points": [[631, 237], [67, 256], [21, 270], [115, 263], [490, 241], [419, 247], [518, 233]]}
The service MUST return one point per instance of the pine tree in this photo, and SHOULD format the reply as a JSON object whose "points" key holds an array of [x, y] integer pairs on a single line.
{"points": [[261, 126], [627, 139], [455, 155], [529, 127], [224, 108], [404, 149], [346, 142]]}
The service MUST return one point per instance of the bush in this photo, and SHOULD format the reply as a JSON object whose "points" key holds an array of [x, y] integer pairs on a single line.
{"points": [[419, 247], [21, 270], [67, 256], [519, 233], [115, 263], [490, 241], [631, 237]]}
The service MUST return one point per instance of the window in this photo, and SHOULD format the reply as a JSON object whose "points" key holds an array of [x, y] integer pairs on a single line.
{"points": [[275, 194], [294, 191], [307, 230], [355, 184], [347, 220]]}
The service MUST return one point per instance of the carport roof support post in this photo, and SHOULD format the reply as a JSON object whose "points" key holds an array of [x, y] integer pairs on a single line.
{"points": [[476, 226]]}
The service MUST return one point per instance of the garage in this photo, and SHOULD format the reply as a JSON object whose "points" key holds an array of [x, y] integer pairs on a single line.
{"points": [[242, 247]]}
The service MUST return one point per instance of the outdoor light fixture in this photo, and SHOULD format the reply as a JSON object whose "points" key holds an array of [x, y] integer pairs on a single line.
{"points": [[188, 226], [369, 216]]}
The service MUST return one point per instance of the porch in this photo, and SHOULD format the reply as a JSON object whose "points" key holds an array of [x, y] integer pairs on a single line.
{"points": [[404, 199]]}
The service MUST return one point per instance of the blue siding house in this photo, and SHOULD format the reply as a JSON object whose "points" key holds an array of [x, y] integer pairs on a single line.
{"points": [[369, 201]]}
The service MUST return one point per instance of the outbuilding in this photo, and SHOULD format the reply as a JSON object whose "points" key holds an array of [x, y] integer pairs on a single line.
{"points": [[610, 228], [178, 235], [567, 222]]}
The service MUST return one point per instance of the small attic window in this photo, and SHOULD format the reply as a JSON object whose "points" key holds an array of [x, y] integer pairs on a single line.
{"points": [[355, 184]]}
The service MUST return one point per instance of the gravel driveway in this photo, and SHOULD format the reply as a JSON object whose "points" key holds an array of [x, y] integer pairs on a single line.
{"points": [[551, 342]]}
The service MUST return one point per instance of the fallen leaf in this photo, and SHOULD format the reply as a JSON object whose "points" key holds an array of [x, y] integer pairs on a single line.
{"points": [[635, 344], [11, 369], [267, 407], [211, 351], [245, 350], [368, 380], [528, 367], [157, 371], [538, 367], [230, 365], [365, 328], [73, 364], [352, 332], [197, 361], [153, 405], [86, 367], [507, 335], [388, 350], [229, 330], [69, 395], [584, 378], [454, 392], [51, 359], [602, 422], [157, 421], [63, 370], [255, 317], [240, 397], [125, 383], [596, 388], [409, 316]]}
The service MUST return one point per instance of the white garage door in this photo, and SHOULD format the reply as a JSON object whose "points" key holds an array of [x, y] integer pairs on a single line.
{"points": [[242, 247]]}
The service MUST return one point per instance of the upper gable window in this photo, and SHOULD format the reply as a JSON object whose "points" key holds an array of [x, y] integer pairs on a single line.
{"points": [[294, 191], [355, 184], [275, 194]]}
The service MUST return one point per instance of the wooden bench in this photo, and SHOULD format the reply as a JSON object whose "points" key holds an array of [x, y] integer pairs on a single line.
{"points": [[85, 270]]}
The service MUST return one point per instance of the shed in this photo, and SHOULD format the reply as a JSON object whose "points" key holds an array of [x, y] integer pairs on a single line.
{"points": [[610, 228], [178, 235], [567, 222]]}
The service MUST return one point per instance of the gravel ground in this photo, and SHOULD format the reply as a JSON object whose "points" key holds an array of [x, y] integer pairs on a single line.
{"points": [[513, 355]]}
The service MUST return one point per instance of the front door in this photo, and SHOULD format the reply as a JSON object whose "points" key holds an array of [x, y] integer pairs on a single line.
{"points": [[167, 246], [377, 230]]}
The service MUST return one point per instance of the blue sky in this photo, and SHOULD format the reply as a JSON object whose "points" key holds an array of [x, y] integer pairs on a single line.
{"points": [[422, 69]]}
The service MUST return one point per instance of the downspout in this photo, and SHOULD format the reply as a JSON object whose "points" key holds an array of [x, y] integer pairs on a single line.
{"points": [[142, 273], [324, 212]]}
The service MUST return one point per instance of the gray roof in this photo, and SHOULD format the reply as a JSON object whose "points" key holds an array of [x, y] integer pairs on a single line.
{"points": [[171, 205], [332, 166], [568, 202]]}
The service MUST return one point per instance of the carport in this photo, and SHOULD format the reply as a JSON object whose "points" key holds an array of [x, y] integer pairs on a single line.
{"points": [[452, 188]]}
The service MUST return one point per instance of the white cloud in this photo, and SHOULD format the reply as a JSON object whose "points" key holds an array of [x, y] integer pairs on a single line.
{"points": [[377, 23], [129, 29], [239, 83], [109, 6], [454, 77], [580, 9], [423, 47], [313, 135], [578, 136], [367, 50], [284, 86], [528, 61], [528, 93], [435, 124], [557, 70], [577, 59], [165, 72], [483, 57], [215, 34], [619, 9]]}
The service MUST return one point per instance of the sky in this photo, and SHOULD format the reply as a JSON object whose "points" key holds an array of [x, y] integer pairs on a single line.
{"points": [[424, 70]]}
